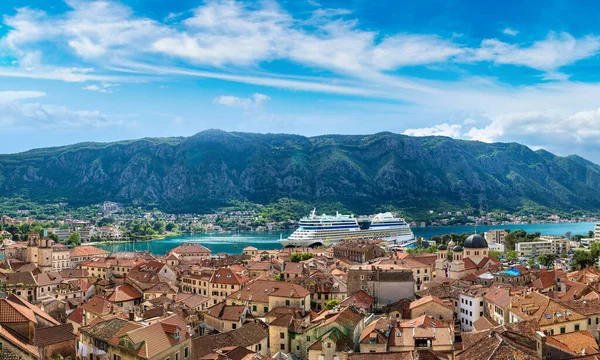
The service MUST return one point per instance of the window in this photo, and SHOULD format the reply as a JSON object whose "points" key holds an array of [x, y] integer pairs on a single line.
{"points": [[576, 327], [186, 352], [563, 330], [266, 309], [481, 303], [233, 326], [329, 345], [590, 321], [115, 356], [297, 347], [308, 338], [253, 307], [281, 335], [177, 355], [282, 346], [287, 303]]}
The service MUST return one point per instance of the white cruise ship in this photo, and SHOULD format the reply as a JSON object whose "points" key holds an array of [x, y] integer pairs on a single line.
{"points": [[316, 230]]}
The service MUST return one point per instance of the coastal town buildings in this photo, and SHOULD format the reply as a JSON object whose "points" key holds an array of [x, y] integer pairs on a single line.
{"points": [[349, 301]]}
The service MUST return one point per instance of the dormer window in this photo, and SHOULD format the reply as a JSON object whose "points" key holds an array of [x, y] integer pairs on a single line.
{"points": [[176, 334]]}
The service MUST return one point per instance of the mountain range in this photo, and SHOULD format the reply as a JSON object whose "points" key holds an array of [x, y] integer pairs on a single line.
{"points": [[207, 170]]}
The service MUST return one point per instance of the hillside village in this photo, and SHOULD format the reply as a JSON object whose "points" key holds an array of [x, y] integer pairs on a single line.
{"points": [[355, 300]]}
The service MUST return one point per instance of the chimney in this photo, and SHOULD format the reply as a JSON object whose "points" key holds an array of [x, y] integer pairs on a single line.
{"points": [[540, 339]]}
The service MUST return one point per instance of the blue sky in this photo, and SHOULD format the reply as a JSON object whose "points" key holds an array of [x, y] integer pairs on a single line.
{"points": [[519, 71]]}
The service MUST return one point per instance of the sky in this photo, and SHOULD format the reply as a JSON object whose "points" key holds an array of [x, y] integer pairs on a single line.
{"points": [[510, 71]]}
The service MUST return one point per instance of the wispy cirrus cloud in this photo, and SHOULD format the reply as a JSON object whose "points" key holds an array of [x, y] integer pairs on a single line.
{"points": [[255, 102]]}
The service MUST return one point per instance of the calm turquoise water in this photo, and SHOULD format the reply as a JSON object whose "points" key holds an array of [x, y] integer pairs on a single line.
{"points": [[234, 243]]}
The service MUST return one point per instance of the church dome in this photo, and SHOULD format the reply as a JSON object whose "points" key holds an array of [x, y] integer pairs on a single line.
{"points": [[442, 247], [457, 248], [475, 241], [451, 244]]}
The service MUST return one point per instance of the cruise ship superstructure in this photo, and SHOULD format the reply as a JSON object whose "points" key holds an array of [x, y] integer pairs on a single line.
{"points": [[316, 230]]}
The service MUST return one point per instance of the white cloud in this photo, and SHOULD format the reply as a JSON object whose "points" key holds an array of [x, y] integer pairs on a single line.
{"points": [[555, 51], [103, 88], [91, 87], [444, 129], [6, 96], [35, 116], [255, 102], [509, 31]]}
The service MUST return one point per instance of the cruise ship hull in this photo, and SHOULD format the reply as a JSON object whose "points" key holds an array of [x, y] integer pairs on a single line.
{"points": [[390, 236]]}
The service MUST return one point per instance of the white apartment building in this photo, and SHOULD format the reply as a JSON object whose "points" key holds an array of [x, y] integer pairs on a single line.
{"points": [[495, 236], [470, 306], [496, 246], [545, 245], [63, 234]]}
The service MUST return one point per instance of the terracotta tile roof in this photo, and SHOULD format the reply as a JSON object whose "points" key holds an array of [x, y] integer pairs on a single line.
{"points": [[87, 250], [293, 268], [247, 335], [259, 265], [18, 341], [586, 308], [498, 296], [151, 266], [226, 312], [392, 355], [544, 310], [348, 318], [123, 293], [573, 342], [54, 335], [228, 277], [157, 337], [76, 316], [375, 332], [109, 330], [11, 312], [162, 288], [360, 299], [193, 300], [39, 313], [231, 353], [98, 306], [21, 279], [260, 290], [425, 300], [49, 278], [190, 249], [74, 273]]}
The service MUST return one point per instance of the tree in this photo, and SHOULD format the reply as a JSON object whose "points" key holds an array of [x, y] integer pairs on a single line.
{"points": [[331, 304], [547, 260], [449, 255], [595, 250], [74, 238], [568, 234], [306, 256], [495, 253], [590, 234], [581, 260], [280, 276], [530, 262], [511, 255], [295, 257], [171, 226], [437, 239]]}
